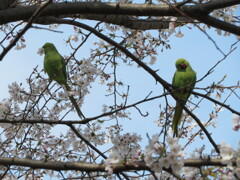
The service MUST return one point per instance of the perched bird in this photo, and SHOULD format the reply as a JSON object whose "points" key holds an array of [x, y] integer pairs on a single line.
{"points": [[55, 67], [183, 81]]}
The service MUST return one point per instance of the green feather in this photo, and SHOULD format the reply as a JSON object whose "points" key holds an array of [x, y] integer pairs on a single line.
{"points": [[177, 118], [183, 81], [55, 67], [54, 64]]}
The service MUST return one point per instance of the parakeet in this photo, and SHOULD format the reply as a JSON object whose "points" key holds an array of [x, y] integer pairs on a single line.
{"points": [[55, 67], [183, 81]]}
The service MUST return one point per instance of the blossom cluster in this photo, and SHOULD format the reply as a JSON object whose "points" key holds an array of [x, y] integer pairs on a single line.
{"points": [[230, 157], [236, 122], [158, 158], [125, 149]]}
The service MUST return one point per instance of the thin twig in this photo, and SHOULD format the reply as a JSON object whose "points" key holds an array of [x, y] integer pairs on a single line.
{"points": [[92, 146], [24, 30], [211, 69], [53, 122]]}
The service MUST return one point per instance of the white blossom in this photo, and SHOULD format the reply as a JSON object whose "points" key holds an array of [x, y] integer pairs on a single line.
{"points": [[40, 51], [179, 34], [165, 162], [226, 152], [74, 38], [153, 60], [172, 141], [157, 167], [21, 46], [177, 166], [236, 122], [148, 158]]}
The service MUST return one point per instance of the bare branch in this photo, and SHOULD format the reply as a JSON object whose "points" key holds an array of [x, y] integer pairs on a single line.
{"points": [[84, 121], [131, 22], [212, 5], [89, 167], [111, 11], [24, 30], [86, 141], [217, 102], [219, 24], [73, 8]]}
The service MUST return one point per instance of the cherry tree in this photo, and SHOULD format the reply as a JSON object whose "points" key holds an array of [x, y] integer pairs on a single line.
{"points": [[42, 135]]}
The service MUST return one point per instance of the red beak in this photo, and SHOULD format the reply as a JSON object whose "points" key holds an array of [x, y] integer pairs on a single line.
{"points": [[184, 66]]}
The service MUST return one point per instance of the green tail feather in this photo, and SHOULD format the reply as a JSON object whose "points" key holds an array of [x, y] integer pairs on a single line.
{"points": [[67, 87], [177, 119], [74, 102]]}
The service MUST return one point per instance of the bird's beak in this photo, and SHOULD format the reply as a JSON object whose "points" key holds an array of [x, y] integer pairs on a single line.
{"points": [[184, 66]]}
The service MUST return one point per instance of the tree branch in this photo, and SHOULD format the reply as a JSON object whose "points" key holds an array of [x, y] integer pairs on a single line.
{"points": [[89, 167], [86, 141], [203, 129], [92, 146], [91, 9], [217, 23], [73, 8], [34, 16], [84, 121], [212, 5], [130, 22], [217, 102]]}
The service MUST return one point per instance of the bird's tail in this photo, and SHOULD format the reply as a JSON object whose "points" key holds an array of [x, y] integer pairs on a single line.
{"points": [[74, 102], [177, 118], [67, 87]]}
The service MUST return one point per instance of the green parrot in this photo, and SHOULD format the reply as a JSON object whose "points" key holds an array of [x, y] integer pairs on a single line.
{"points": [[55, 67], [184, 81]]}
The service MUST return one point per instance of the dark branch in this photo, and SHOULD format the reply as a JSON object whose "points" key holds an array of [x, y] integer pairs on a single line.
{"points": [[34, 16], [212, 5], [217, 102], [84, 121], [89, 167], [113, 10], [219, 24]]}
